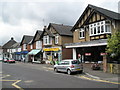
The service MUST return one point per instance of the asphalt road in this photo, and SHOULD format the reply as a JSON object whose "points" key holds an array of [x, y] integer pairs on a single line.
{"points": [[20, 75]]}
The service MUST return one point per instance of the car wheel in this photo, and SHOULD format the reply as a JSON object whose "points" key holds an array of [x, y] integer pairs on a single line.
{"points": [[55, 69], [68, 72], [81, 71]]}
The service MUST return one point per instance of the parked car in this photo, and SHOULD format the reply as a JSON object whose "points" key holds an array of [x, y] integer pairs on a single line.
{"points": [[5, 60], [68, 66], [1, 59], [10, 60]]}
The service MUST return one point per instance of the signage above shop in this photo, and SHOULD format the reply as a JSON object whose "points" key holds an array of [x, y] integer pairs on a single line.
{"points": [[87, 54], [51, 49], [102, 54]]}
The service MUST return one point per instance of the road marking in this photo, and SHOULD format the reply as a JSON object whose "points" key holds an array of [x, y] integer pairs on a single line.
{"points": [[14, 84], [5, 76], [92, 76], [99, 80]]}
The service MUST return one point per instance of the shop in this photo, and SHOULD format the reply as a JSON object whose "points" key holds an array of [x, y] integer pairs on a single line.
{"points": [[24, 56], [52, 54], [35, 56], [90, 51]]}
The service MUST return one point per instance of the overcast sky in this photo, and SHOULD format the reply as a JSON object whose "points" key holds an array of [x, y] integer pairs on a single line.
{"points": [[24, 17]]}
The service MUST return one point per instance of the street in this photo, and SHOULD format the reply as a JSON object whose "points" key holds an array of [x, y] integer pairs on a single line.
{"points": [[25, 75]]}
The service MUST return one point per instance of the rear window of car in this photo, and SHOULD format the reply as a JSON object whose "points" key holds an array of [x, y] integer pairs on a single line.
{"points": [[75, 62]]}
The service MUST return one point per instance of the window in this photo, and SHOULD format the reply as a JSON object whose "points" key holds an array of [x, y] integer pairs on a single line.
{"points": [[31, 46], [47, 40], [82, 33], [100, 28], [56, 39], [38, 45], [24, 46]]}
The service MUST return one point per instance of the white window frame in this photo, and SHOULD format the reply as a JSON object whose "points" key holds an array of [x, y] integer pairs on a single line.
{"points": [[24, 47], [56, 39], [82, 33], [100, 24], [47, 40], [38, 44]]}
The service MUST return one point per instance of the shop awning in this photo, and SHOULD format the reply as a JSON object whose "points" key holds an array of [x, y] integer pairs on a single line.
{"points": [[18, 53], [102, 42], [24, 52], [34, 52], [51, 49]]}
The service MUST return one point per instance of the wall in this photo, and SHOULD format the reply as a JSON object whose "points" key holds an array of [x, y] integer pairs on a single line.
{"points": [[66, 53]]}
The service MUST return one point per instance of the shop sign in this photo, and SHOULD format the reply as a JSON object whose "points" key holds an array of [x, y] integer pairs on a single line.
{"points": [[87, 54], [103, 54], [51, 49]]}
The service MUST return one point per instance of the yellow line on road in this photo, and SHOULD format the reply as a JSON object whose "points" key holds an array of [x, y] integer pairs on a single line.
{"points": [[99, 80], [14, 84]]}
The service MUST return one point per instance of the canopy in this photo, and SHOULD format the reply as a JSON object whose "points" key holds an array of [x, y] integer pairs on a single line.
{"points": [[34, 52]]}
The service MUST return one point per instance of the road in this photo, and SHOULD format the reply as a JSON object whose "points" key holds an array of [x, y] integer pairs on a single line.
{"points": [[25, 75]]}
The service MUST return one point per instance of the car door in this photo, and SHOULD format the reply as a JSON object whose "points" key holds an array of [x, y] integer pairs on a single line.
{"points": [[66, 65], [60, 66]]}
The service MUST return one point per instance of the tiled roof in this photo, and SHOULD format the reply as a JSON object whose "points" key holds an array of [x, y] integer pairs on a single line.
{"points": [[106, 12], [16, 45], [26, 39], [62, 29], [9, 44]]}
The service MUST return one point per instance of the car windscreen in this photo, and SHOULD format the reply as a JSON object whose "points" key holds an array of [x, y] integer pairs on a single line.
{"points": [[75, 62]]}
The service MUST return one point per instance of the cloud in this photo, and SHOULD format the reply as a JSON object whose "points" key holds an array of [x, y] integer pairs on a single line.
{"points": [[18, 18]]}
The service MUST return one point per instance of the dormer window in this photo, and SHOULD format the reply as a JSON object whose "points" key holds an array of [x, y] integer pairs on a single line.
{"points": [[82, 33], [98, 28], [47, 40]]}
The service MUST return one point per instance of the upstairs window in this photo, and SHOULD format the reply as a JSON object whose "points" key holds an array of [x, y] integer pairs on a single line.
{"points": [[100, 28], [56, 39], [47, 40], [38, 44], [82, 33]]}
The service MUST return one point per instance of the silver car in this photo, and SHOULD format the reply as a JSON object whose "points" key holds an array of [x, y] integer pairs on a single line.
{"points": [[68, 66]]}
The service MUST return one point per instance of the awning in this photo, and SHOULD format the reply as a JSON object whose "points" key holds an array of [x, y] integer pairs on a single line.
{"points": [[18, 53], [24, 52], [34, 52], [51, 49], [102, 42]]}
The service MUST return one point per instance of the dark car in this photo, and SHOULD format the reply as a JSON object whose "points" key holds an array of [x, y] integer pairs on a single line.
{"points": [[95, 66]]}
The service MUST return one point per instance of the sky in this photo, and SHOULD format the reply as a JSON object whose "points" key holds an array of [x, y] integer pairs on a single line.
{"points": [[25, 17]]}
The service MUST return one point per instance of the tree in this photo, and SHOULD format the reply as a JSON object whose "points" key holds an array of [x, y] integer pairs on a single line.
{"points": [[113, 46]]}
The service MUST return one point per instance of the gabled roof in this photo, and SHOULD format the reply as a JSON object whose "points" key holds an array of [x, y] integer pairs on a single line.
{"points": [[107, 13], [26, 39], [48, 32], [39, 32], [9, 44], [16, 45], [63, 30]]}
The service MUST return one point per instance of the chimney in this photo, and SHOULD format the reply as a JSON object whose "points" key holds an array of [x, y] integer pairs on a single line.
{"points": [[44, 28], [12, 38]]}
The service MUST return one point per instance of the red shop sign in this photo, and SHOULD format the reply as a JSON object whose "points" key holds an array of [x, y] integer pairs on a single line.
{"points": [[102, 54], [87, 54]]}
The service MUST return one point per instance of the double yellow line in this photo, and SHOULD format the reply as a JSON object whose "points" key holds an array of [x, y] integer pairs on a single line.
{"points": [[99, 80]]}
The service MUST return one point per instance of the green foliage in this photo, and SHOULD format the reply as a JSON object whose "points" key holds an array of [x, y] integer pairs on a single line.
{"points": [[113, 47]]}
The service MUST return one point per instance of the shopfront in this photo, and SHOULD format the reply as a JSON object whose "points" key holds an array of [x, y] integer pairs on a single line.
{"points": [[52, 54], [35, 56]]}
